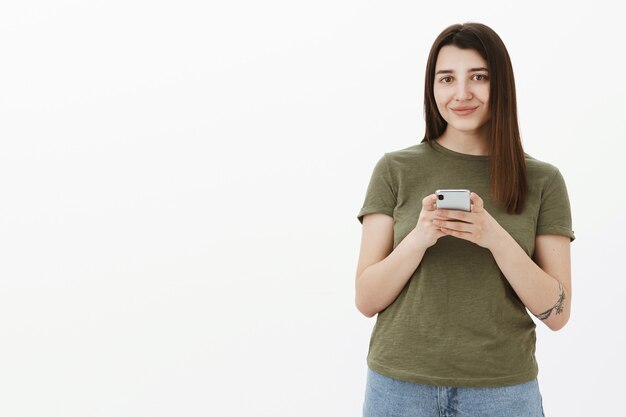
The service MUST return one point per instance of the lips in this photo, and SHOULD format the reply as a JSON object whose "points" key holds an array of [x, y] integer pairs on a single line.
{"points": [[464, 108], [464, 111]]}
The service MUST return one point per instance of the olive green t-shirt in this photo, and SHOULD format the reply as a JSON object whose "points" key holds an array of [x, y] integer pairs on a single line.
{"points": [[458, 321]]}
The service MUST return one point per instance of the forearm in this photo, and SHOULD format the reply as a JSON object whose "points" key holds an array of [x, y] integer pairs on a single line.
{"points": [[379, 284], [544, 296]]}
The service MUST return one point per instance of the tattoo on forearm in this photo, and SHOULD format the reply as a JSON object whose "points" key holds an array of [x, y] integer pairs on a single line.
{"points": [[558, 306]]}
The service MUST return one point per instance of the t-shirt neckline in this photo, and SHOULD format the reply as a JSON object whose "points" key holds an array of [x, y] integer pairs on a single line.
{"points": [[449, 152]]}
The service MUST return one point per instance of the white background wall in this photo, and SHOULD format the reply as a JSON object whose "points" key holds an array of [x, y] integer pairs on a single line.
{"points": [[179, 184]]}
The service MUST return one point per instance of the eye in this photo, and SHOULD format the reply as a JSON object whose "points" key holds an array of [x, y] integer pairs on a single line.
{"points": [[484, 77], [444, 78]]}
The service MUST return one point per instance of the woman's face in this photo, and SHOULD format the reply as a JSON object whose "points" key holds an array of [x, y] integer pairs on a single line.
{"points": [[462, 81]]}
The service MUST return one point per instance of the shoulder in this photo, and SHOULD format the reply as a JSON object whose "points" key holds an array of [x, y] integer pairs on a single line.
{"points": [[409, 155], [539, 171]]}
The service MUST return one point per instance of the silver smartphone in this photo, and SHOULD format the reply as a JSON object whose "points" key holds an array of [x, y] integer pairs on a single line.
{"points": [[453, 199]]}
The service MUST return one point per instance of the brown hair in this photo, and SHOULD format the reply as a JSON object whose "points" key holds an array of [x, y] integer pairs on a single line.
{"points": [[508, 181]]}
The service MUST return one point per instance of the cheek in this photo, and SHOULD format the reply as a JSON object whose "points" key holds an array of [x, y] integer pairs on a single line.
{"points": [[484, 94], [440, 98]]}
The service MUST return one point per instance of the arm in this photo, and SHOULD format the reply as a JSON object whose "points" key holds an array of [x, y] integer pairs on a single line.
{"points": [[545, 286], [382, 272]]}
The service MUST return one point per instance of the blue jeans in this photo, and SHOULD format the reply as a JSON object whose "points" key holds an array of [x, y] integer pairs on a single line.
{"points": [[386, 396]]}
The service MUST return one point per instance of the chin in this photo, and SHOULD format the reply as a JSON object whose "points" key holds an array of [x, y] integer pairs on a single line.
{"points": [[467, 124], [469, 127]]}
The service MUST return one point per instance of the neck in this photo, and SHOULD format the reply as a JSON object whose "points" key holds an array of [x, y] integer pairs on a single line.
{"points": [[471, 143]]}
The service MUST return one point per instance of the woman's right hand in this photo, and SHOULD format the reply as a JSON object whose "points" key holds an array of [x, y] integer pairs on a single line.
{"points": [[425, 232], [383, 271]]}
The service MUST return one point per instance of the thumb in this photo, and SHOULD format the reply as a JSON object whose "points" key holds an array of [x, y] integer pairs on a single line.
{"points": [[477, 203], [428, 203]]}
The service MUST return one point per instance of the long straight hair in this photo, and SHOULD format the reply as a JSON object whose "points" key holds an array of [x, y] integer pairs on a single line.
{"points": [[507, 166]]}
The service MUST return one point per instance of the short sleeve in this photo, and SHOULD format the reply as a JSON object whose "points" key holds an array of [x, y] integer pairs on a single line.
{"points": [[380, 196], [555, 215]]}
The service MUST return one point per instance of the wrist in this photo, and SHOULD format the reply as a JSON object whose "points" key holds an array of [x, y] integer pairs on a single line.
{"points": [[500, 241], [418, 241]]}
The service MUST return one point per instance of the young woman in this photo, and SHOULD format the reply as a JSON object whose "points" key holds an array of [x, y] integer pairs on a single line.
{"points": [[451, 288]]}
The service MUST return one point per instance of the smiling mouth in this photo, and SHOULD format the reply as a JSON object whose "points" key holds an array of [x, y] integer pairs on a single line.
{"points": [[464, 111]]}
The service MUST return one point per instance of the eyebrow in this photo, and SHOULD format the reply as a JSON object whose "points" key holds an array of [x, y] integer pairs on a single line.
{"points": [[470, 70]]}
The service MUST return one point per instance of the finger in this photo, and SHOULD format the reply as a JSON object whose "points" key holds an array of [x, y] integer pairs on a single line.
{"points": [[477, 203], [428, 203], [462, 235], [452, 225], [452, 214]]}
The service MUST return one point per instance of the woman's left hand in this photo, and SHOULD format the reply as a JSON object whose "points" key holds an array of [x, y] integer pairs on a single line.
{"points": [[477, 225]]}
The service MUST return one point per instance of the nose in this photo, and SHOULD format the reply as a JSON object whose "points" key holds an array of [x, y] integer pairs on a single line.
{"points": [[462, 92]]}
